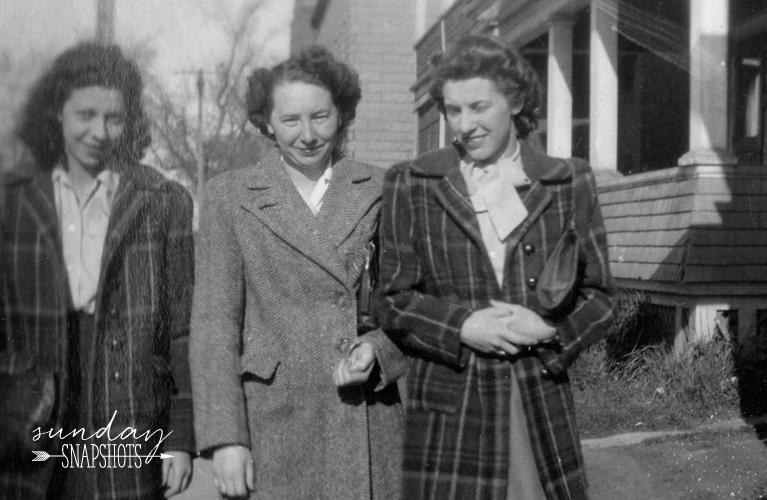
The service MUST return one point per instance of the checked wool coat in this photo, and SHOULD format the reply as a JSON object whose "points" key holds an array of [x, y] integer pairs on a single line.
{"points": [[275, 304], [434, 272], [138, 352]]}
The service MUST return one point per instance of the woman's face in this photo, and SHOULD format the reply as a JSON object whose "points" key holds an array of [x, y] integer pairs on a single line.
{"points": [[305, 122], [481, 118], [92, 123]]}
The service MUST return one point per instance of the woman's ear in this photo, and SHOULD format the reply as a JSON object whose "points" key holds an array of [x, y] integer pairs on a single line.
{"points": [[269, 128], [516, 108]]}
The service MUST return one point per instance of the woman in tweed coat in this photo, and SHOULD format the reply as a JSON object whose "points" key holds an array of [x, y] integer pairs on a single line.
{"points": [[466, 231], [274, 323], [119, 349]]}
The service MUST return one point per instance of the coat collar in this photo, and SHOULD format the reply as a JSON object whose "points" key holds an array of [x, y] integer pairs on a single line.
{"points": [[451, 192], [537, 166], [273, 199]]}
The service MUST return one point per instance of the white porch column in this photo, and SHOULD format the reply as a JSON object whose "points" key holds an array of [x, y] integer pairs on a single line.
{"points": [[559, 106], [709, 33], [603, 113]]}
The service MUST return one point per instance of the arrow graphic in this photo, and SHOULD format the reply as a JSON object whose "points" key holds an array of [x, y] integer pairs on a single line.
{"points": [[41, 456]]}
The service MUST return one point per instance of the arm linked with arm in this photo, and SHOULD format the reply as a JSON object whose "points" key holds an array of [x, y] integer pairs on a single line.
{"points": [[420, 323]]}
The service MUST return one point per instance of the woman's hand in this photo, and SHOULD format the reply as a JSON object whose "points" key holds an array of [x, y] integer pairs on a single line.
{"points": [[486, 331], [233, 472], [356, 368], [176, 472], [526, 322]]}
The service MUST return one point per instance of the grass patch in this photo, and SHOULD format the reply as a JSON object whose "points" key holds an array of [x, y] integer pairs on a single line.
{"points": [[650, 388]]}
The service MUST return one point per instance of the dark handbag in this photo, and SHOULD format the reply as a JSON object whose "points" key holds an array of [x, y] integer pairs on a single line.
{"points": [[557, 283], [366, 320], [28, 397]]}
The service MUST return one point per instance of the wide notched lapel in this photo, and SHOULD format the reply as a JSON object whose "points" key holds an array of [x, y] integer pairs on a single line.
{"points": [[351, 194], [545, 172], [41, 206], [274, 201], [131, 201], [450, 190]]}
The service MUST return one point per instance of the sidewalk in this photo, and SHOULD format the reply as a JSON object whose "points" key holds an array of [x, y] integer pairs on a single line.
{"points": [[719, 461]]}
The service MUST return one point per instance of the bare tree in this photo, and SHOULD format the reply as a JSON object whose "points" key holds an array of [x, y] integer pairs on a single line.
{"points": [[229, 141]]}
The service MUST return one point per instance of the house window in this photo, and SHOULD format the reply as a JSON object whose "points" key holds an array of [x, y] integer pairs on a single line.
{"points": [[428, 128], [749, 119]]}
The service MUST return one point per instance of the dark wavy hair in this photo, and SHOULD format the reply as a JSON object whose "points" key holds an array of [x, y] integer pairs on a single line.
{"points": [[314, 65], [84, 65], [491, 58]]}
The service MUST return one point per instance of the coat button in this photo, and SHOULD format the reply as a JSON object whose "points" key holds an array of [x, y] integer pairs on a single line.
{"points": [[528, 249], [344, 302], [116, 376], [115, 342], [532, 283]]}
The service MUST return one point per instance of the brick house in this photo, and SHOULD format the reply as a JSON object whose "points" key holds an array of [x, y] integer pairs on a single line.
{"points": [[376, 37], [665, 99]]}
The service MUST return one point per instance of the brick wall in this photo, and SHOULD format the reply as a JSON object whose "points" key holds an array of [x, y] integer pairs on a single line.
{"points": [[376, 37]]}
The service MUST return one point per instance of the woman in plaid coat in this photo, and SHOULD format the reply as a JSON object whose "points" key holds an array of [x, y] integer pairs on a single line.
{"points": [[103, 299], [466, 232]]}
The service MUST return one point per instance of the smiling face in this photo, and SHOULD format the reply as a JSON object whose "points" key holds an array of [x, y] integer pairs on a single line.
{"points": [[481, 118], [305, 123], [92, 123]]}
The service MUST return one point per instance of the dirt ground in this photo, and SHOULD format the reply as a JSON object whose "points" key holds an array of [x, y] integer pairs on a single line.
{"points": [[725, 461]]}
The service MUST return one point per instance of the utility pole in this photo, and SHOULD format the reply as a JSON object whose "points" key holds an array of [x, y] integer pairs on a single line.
{"points": [[200, 153], [105, 21]]}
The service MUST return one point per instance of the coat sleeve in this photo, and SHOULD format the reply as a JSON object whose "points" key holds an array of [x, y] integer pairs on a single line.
{"points": [[217, 322], [594, 310], [420, 323], [179, 262]]}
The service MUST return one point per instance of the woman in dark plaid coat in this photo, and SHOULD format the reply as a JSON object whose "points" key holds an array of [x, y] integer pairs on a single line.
{"points": [[118, 344], [466, 232]]}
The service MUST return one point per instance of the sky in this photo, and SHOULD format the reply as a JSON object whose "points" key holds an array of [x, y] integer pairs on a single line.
{"points": [[186, 34]]}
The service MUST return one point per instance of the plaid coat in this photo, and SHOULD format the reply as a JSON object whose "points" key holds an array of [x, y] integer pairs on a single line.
{"points": [[434, 272], [139, 365], [275, 305]]}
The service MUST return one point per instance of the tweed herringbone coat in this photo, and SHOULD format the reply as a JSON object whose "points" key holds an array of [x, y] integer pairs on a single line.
{"points": [[275, 304], [139, 350], [434, 272]]}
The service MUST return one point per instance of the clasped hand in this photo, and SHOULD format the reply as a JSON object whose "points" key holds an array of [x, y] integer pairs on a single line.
{"points": [[355, 369], [505, 328]]}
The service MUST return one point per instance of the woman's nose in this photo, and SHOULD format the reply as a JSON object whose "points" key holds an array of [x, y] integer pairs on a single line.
{"points": [[466, 123], [307, 134], [99, 128]]}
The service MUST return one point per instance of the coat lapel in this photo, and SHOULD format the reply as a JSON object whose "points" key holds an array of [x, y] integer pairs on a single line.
{"points": [[544, 171], [450, 190], [351, 194], [42, 206], [131, 200], [274, 201]]}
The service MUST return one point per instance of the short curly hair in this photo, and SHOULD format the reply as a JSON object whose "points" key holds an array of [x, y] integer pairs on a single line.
{"points": [[87, 64], [491, 58], [315, 65]]}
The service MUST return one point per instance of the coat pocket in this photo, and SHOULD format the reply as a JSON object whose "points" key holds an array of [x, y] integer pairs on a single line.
{"points": [[259, 361]]}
